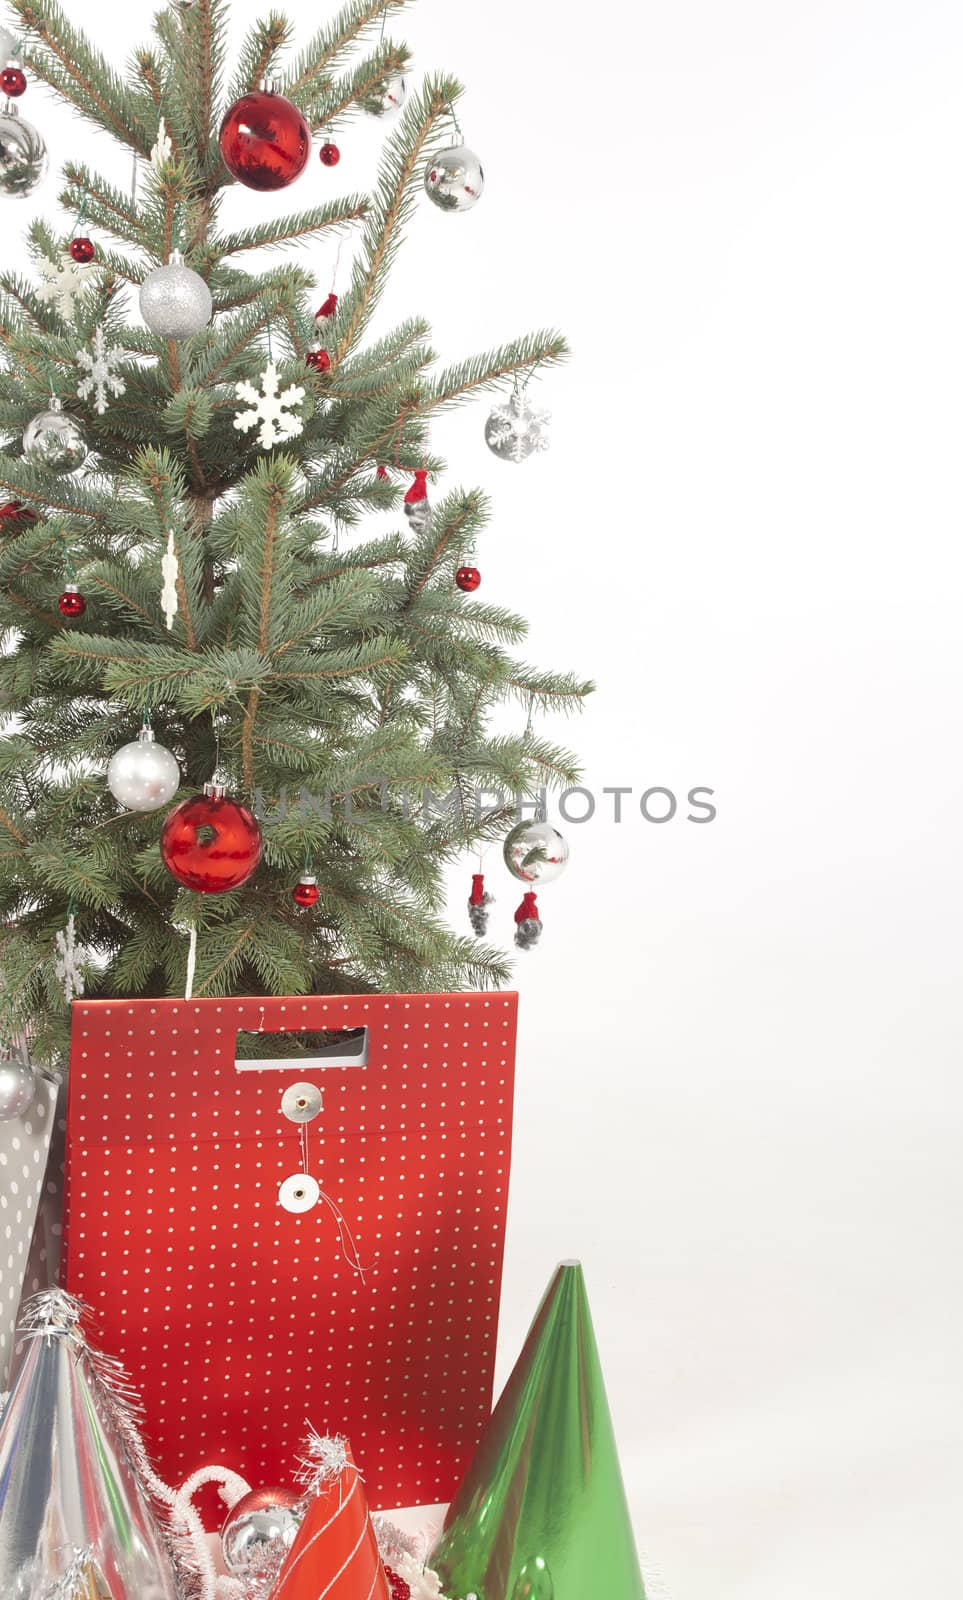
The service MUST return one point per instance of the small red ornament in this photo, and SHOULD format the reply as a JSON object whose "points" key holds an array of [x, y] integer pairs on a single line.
{"points": [[265, 141], [210, 843], [330, 154], [82, 250], [468, 578], [400, 1590], [13, 82], [306, 893], [16, 511], [318, 359], [382, 471], [72, 602], [328, 308]]}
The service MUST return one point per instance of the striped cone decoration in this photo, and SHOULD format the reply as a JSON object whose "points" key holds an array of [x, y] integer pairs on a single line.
{"points": [[335, 1554]]}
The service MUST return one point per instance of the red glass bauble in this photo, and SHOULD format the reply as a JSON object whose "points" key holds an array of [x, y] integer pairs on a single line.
{"points": [[468, 578], [318, 359], [306, 893], [82, 250], [210, 843], [13, 82], [16, 511], [330, 155], [72, 603], [265, 141]]}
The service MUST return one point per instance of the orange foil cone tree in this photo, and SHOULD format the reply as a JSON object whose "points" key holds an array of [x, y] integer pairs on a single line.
{"points": [[335, 1555]]}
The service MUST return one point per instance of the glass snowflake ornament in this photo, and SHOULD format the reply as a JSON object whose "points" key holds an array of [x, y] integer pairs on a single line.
{"points": [[102, 380], [516, 430], [270, 410], [64, 281]]}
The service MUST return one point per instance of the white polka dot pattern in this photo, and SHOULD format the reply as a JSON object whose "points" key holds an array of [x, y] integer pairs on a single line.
{"points": [[241, 1321], [24, 1147]]}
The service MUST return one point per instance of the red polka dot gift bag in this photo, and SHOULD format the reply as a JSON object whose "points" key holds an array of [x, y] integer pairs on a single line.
{"points": [[291, 1212]]}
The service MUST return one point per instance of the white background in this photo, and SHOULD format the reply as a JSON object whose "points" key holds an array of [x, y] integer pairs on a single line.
{"points": [[739, 1073]]}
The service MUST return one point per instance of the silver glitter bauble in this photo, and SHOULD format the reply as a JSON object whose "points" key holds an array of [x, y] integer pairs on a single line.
{"points": [[535, 852], [17, 1088], [454, 178], [23, 154], [143, 775], [175, 302], [55, 440], [261, 1527], [515, 430], [389, 97]]}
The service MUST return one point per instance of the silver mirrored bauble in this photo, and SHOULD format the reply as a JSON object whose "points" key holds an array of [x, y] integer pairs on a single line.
{"points": [[143, 775], [23, 154], [389, 97], [17, 1088], [535, 852], [261, 1527], [175, 302], [515, 430], [55, 440], [454, 178]]}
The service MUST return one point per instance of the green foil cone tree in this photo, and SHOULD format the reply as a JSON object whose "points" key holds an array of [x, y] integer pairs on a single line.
{"points": [[541, 1513]]}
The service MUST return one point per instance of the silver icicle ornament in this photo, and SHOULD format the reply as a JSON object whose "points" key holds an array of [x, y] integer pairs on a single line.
{"points": [[23, 154], [175, 302], [143, 775], [454, 179], [55, 441]]}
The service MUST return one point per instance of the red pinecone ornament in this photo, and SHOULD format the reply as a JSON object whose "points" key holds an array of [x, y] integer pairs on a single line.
{"points": [[306, 893], [468, 579], [211, 844], [72, 603], [330, 154], [13, 82], [82, 250], [265, 141], [318, 359]]}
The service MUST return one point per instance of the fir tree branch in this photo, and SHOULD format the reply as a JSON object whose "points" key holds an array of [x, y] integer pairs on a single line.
{"points": [[320, 58], [285, 230], [69, 64]]}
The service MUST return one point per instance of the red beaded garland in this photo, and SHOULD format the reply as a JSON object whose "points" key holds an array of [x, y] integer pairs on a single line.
{"points": [[318, 359], [211, 844], [468, 579], [82, 249], [330, 154], [72, 603], [306, 893], [400, 1590], [265, 141], [13, 82]]}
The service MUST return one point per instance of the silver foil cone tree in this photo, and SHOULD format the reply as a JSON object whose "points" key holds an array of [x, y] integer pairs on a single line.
{"points": [[72, 1496]]}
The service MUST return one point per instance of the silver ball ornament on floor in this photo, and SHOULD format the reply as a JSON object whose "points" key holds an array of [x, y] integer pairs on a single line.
{"points": [[143, 775], [259, 1529], [514, 431], [23, 154], [55, 441], [18, 1087], [175, 302], [389, 97], [535, 852], [454, 179]]}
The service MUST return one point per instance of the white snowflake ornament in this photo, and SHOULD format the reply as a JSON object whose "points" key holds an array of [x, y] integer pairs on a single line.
{"points": [[163, 149], [64, 281], [170, 572], [271, 409], [102, 379], [67, 965]]}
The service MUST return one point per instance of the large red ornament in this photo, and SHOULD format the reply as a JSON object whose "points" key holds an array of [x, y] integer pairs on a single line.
{"points": [[468, 579], [82, 250], [265, 141], [72, 603], [330, 154], [318, 359], [210, 843], [13, 82]]}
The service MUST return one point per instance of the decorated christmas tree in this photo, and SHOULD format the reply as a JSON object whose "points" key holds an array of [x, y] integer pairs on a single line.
{"points": [[225, 527]]}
